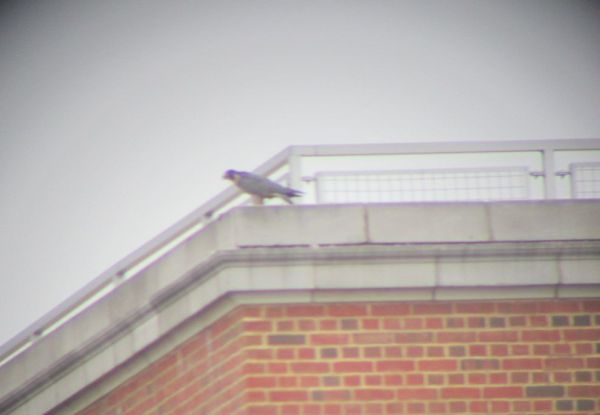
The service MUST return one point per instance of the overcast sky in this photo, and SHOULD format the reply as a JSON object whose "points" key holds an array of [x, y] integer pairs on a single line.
{"points": [[118, 117]]}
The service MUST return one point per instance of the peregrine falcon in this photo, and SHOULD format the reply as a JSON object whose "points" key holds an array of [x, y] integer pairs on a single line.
{"points": [[259, 187]]}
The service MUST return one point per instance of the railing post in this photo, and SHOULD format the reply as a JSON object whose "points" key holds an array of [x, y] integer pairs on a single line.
{"points": [[549, 173], [295, 173]]}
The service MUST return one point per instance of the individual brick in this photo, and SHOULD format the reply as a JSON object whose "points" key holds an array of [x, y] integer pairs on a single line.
{"points": [[437, 365], [374, 338], [329, 353], [475, 322], [592, 306], [497, 322], [478, 407], [503, 392], [581, 391], [370, 324], [498, 336], [353, 366], [261, 382], [581, 334], [564, 405], [544, 406], [347, 310], [306, 353], [304, 311], [479, 364], [455, 322], [349, 324], [460, 393], [433, 323], [544, 391], [560, 321], [456, 337], [457, 351], [583, 377], [374, 394], [538, 321], [416, 393], [521, 364], [331, 395], [563, 363], [288, 395], [372, 352], [390, 309], [435, 379], [585, 320], [394, 365], [329, 339], [373, 380], [435, 351], [331, 381], [585, 405], [476, 378], [307, 325], [475, 307], [540, 335], [413, 337], [432, 308], [309, 367]]}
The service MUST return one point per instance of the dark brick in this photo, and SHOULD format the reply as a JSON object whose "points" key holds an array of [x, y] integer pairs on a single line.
{"points": [[560, 321], [329, 353], [583, 376], [585, 405], [497, 322], [564, 405], [544, 391], [287, 339], [582, 320]]}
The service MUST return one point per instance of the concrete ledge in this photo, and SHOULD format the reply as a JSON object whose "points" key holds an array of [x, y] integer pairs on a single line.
{"points": [[318, 254], [427, 222]]}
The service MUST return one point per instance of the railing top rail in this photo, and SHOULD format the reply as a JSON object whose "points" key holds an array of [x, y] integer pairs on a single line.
{"points": [[444, 147], [276, 162]]}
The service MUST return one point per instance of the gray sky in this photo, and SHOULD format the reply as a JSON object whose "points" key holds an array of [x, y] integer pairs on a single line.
{"points": [[118, 117]]}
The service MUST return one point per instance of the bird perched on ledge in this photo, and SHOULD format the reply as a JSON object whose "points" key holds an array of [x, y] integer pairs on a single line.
{"points": [[259, 187]]}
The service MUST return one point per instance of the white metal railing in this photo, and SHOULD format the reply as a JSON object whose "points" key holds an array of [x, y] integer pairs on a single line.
{"points": [[291, 162], [493, 183], [585, 180]]}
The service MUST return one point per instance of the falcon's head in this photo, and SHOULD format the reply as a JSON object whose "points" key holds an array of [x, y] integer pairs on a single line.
{"points": [[231, 175]]}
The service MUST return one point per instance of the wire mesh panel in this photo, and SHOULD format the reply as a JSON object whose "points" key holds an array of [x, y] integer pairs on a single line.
{"points": [[585, 180], [510, 183]]}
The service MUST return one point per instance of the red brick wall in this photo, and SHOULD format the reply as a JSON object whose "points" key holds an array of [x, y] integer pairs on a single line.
{"points": [[420, 357]]}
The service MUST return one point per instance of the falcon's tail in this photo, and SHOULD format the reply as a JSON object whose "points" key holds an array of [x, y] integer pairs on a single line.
{"points": [[293, 193], [289, 193]]}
